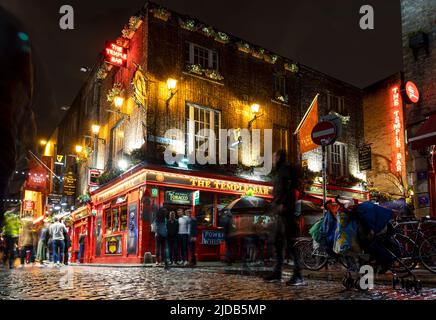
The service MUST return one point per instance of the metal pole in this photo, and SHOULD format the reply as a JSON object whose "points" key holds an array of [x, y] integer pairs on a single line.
{"points": [[95, 151], [324, 176]]}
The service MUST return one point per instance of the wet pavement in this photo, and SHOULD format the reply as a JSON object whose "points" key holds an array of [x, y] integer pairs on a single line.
{"points": [[91, 283]]}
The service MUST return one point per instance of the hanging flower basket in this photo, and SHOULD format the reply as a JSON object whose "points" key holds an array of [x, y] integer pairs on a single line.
{"points": [[244, 47], [161, 13], [129, 29], [195, 68], [213, 74], [101, 72], [117, 90], [293, 67], [282, 98], [208, 31], [188, 25], [84, 198], [270, 58], [222, 37], [259, 53]]}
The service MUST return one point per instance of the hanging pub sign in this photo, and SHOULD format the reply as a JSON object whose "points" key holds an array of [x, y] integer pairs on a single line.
{"points": [[60, 160], [54, 199], [93, 176], [36, 180], [365, 158], [28, 205], [139, 87], [410, 92], [115, 54], [70, 184], [178, 197], [398, 133]]}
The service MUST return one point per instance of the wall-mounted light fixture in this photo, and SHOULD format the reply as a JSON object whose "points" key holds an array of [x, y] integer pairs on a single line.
{"points": [[255, 108], [171, 85], [118, 101], [79, 149]]}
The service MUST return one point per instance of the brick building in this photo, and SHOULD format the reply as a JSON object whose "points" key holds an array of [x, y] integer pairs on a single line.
{"points": [[419, 62], [179, 73]]}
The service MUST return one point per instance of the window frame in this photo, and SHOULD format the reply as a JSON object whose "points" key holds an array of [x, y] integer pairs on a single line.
{"points": [[210, 56], [340, 101], [343, 156]]}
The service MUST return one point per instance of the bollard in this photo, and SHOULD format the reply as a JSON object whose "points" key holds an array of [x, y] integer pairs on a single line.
{"points": [[148, 258]]}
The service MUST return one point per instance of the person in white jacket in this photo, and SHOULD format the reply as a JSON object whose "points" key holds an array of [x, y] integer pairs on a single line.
{"points": [[184, 222]]}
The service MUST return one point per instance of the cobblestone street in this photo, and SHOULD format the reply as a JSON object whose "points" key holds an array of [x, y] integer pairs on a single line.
{"points": [[91, 283]]}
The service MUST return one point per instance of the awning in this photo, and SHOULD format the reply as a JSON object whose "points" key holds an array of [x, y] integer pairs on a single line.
{"points": [[426, 134]]}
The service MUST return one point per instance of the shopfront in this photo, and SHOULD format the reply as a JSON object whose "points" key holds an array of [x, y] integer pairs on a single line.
{"points": [[124, 210]]}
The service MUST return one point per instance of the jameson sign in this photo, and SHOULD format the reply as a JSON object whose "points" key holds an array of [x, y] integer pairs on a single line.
{"points": [[178, 197], [365, 158]]}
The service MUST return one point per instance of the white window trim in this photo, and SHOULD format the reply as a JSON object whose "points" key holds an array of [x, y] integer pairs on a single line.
{"points": [[210, 55], [344, 158]]}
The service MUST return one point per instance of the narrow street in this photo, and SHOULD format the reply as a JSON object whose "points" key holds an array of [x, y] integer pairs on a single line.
{"points": [[94, 283]]}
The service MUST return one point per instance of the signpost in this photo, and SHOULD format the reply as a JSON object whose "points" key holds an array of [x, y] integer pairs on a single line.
{"points": [[365, 158], [324, 134]]}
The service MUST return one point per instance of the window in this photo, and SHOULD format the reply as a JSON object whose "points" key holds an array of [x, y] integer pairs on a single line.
{"points": [[115, 219], [206, 58], [108, 220], [116, 148], [123, 218], [337, 159], [280, 92], [336, 103], [205, 210], [198, 118]]}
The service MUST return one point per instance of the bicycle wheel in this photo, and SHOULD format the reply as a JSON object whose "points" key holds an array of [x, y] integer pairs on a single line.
{"points": [[405, 253], [310, 257], [427, 253]]}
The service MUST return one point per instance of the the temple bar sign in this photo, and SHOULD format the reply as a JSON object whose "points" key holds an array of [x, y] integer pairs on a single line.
{"points": [[229, 186]]}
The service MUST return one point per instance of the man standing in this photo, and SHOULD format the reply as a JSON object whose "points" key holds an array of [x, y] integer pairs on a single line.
{"points": [[193, 233], [173, 231], [57, 230], [41, 253], [11, 232], [184, 238], [285, 184]]}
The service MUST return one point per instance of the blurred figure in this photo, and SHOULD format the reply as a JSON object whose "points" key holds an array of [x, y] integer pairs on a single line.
{"points": [[161, 236], [173, 231], [228, 236], [57, 230], [285, 185], [82, 239], [183, 238], [11, 232], [41, 252], [193, 233], [27, 238], [67, 245]]}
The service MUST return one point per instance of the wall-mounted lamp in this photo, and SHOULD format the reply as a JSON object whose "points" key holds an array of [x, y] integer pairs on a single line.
{"points": [[118, 101], [95, 128], [42, 142], [171, 84], [254, 110], [79, 148]]}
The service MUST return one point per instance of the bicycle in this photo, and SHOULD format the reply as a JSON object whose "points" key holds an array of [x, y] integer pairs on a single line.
{"points": [[419, 247]]}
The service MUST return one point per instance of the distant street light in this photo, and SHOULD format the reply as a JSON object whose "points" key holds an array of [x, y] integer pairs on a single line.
{"points": [[95, 128], [42, 142]]}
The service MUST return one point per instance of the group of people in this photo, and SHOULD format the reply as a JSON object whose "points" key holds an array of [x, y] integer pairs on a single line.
{"points": [[178, 232], [19, 240]]}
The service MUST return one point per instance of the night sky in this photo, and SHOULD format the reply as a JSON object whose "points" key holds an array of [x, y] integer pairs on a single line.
{"points": [[324, 35]]}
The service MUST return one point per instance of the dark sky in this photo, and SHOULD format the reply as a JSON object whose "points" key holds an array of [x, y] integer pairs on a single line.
{"points": [[322, 34]]}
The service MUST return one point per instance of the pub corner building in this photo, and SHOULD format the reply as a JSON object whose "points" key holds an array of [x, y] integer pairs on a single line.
{"points": [[171, 71]]}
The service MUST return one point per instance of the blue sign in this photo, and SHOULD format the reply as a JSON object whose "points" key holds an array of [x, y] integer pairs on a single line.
{"points": [[132, 235], [212, 237]]}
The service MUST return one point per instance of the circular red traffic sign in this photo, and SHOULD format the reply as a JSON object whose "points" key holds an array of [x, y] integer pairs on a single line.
{"points": [[324, 133], [412, 92]]}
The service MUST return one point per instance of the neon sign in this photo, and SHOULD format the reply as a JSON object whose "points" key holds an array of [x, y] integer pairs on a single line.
{"points": [[398, 156], [115, 54], [411, 92]]}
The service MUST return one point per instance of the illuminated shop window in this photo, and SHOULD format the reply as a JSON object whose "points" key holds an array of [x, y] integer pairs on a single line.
{"points": [[206, 58], [205, 210], [336, 104], [337, 159], [198, 118]]}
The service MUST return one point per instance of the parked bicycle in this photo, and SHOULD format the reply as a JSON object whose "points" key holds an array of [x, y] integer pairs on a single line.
{"points": [[418, 243]]}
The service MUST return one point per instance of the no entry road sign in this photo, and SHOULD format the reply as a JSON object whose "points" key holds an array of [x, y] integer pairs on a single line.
{"points": [[324, 133]]}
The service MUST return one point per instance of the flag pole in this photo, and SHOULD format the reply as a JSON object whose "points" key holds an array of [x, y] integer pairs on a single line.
{"points": [[306, 114]]}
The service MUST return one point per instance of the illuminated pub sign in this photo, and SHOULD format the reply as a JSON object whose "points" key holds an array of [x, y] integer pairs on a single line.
{"points": [[410, 92], [178, 197], [397, 157], [115, 54]]}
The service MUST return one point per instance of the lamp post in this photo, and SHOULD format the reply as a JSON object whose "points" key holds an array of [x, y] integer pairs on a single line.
{"points": [[95, 128], [171, 85], [254, 110]]}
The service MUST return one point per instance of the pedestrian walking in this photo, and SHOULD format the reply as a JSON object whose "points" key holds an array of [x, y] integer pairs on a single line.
{"points": [[184, 238], [173, 231], [67, 245], [161, 234], [193, 233], [11, 233], [82, 239], [57, 230], [285, 184], [41, 251], [27, 239], [228, 230]]}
